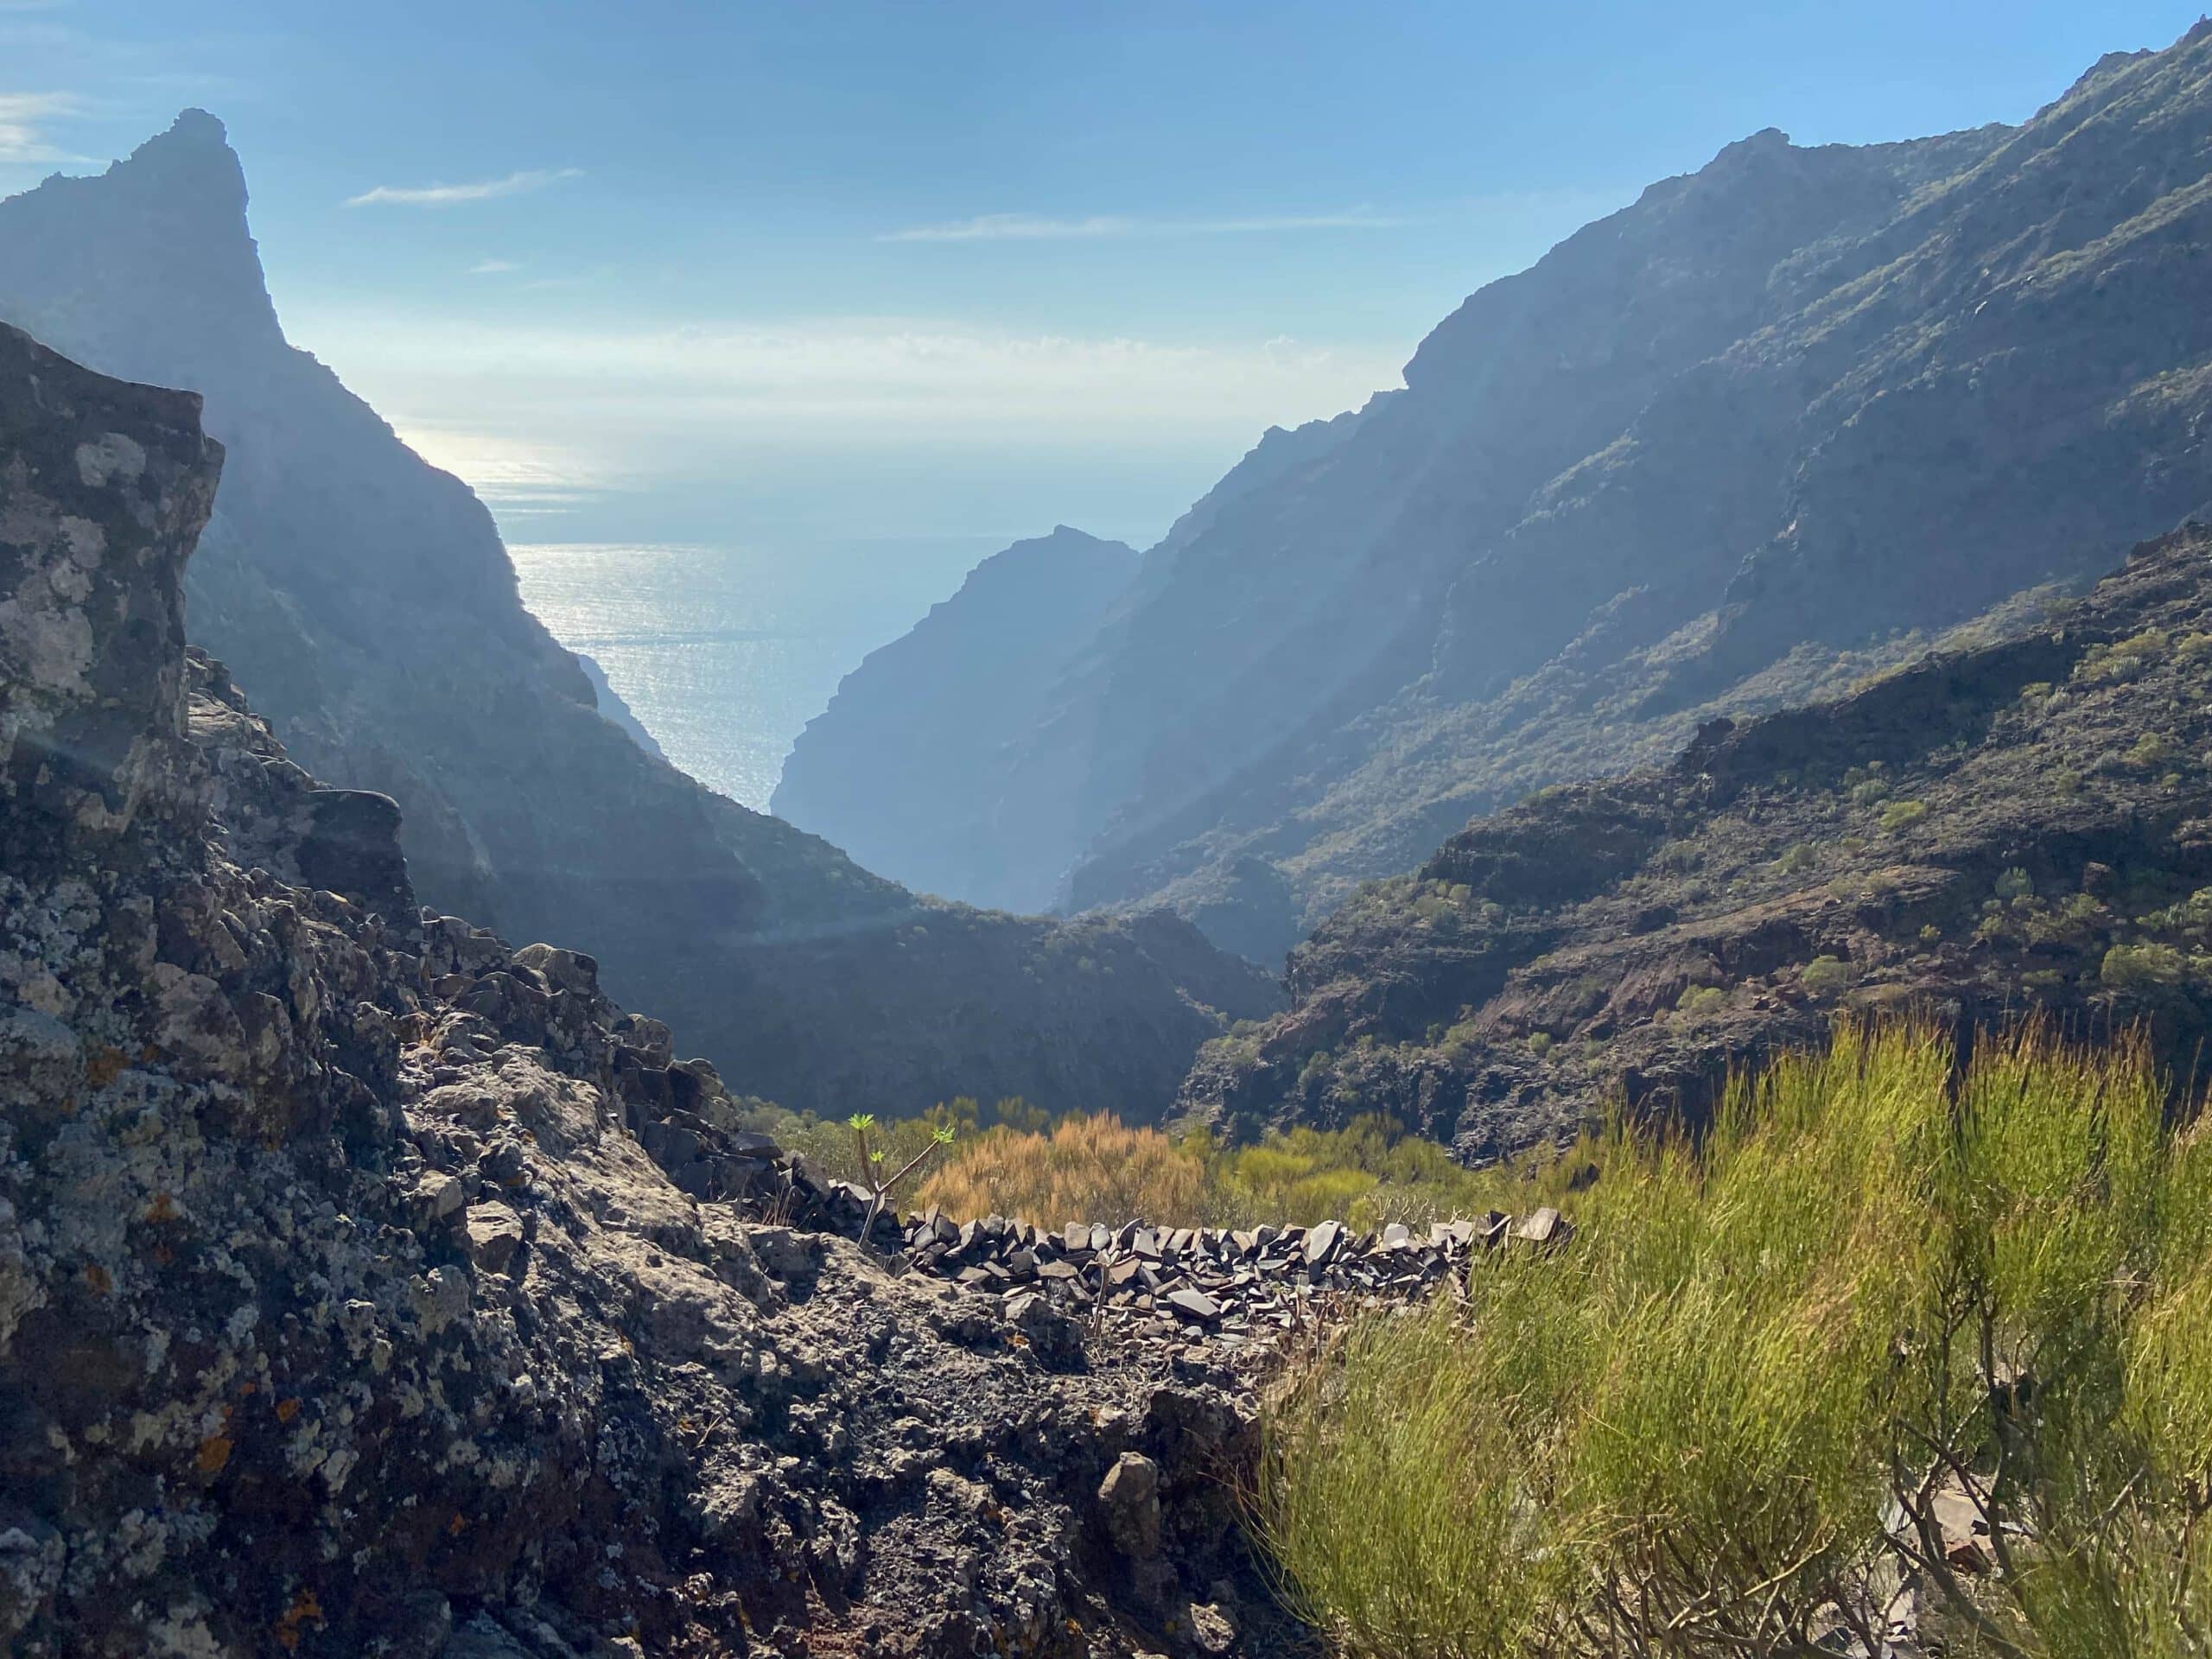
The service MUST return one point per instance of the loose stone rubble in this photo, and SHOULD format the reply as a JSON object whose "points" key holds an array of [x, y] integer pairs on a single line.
{"points": [[370, 1287], [1236, 1288]]}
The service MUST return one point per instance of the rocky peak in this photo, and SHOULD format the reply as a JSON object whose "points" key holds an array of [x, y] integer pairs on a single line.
{"points": [[969, 673], [156, 244], [364, 604]]}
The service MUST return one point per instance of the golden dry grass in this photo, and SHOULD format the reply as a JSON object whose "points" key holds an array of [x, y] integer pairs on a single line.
{"points": [[1085, 1169]]}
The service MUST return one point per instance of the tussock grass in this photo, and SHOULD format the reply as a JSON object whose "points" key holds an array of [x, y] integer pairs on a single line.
{"points": [[1084, 1169], [1733, 1415], [1098, 1169]]}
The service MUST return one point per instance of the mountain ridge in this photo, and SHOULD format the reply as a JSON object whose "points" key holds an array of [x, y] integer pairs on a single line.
{"points": [[363, 601], [1701, 458], [972, 666], [2016, 823]]}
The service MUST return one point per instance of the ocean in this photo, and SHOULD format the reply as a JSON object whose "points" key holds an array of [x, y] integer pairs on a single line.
{"points": [[724, 654]]}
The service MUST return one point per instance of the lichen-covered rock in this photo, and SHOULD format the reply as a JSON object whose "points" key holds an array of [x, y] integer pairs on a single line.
{"points": [[344, 1309]]}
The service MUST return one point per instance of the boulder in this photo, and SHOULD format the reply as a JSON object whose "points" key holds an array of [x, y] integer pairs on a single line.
{"points": [[1128, 1503]]}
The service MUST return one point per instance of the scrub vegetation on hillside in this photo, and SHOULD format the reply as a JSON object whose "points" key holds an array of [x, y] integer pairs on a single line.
{"points": [[1891, 1345], [1012, 1159]]}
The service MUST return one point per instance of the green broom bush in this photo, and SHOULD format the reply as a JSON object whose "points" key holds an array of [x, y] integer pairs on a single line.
{"points": [[1885, 1338]]}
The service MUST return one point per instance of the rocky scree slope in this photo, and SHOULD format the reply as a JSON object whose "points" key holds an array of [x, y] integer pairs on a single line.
{"points": [[343, 1309], [363, 601], [2023, 827], [1708, 455]]}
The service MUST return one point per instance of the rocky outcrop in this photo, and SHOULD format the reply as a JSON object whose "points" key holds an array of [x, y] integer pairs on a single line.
{"points": [[363, 601], [1687, 465], [916, 721], [370, 1287], [2021, 826]]}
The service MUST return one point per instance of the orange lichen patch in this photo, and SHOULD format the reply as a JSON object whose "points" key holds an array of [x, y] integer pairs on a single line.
{"points": [[458, 1525], [287, 1409], [163, 1208], [304, 1609], [104, 1065], [215, 1452], [96, 1276]]}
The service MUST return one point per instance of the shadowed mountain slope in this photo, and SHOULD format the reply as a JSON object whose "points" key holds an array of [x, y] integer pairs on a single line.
{"points": [[1716, 452], [919, 722], [2019, 825], [365, 601]]}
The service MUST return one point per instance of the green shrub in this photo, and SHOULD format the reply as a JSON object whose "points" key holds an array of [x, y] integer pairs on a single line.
{"points": [[1901, 815], [2153, 749], [1796, 859], [1701, 999], [1739, 1401], [2134, 967], [2124, 660], [1826, 976]]}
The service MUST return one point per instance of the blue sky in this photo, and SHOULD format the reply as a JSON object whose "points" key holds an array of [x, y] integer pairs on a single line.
{"points": [[737, 272]]}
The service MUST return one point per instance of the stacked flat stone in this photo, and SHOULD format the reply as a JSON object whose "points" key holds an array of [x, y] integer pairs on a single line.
{"points": [[1230, 1284]]}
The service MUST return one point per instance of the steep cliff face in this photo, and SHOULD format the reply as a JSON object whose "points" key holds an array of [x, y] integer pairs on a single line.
{"points": [[342, 1309], [363, 601], [919, 720], [2006, 827], [1773, 413]]}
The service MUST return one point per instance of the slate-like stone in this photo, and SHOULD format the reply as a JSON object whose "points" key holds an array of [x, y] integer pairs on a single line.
{"points": [[1321, 1243], [1195, 1304]]}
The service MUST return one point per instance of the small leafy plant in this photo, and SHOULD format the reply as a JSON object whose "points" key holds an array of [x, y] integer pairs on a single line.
{"points": [[874, 1160]]}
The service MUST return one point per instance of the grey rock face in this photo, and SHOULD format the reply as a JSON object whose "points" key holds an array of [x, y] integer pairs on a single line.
{"points": [[343, 1310], [95, 526]]}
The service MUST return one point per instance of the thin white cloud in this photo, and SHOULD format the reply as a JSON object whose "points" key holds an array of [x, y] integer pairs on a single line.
{"points": [[634, 398], [493, 268], [1035, 227], [453, 195], [22, 118]]}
